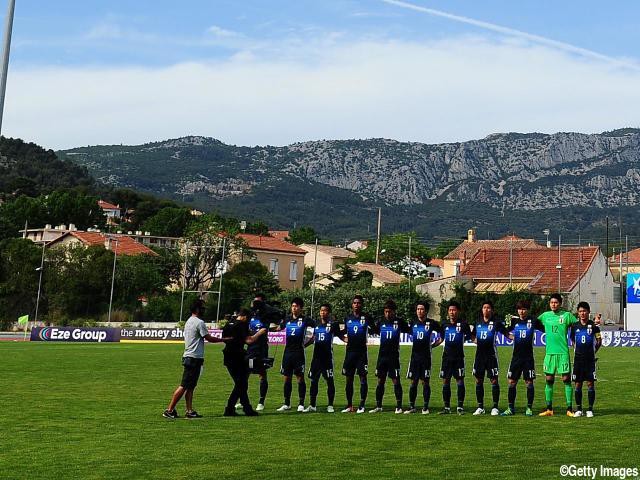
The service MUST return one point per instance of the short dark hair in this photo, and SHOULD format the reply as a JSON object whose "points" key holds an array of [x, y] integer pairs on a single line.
{"points": [[197, 307], [557, 296], [424, 303], [357, 297], [243, 312], [326, 305], [584, 305], [453, 303], [523, 304], [298, 301], [261, 296], [487, 302], [390, 305]]}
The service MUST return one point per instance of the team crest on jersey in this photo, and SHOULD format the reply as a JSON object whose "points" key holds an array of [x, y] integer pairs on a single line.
{"points": [[589, 330], [426, 326], [299, 323], [561, 320], [362, 320], [458, 327], [528, 323], [490, 326], [395, 325]]}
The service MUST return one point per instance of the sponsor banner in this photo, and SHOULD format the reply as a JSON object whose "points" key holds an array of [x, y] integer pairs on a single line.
{"points": [[633, 288], [75, 334], [152, 334], [620, 338]]}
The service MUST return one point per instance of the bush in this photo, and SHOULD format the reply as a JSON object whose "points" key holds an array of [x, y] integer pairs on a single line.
{"points": [[166, 308]]}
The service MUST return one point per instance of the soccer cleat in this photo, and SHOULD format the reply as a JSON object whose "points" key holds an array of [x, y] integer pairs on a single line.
{"points": [[284, 408], [589, 413], [170, 414], [445, 411], [570, 413], [528, 412], [375, 410], [259, 407], [425, 411], [309, 409], [362, 410], [577, 413], [398, 410], [300, 409], [192, 414], [460, 411], [546, 413], [230, 412], [410, 410], [238, 405], [479, 411], [330, 409], [251, 413], [349, 410], [495, 412], [507, 413]]}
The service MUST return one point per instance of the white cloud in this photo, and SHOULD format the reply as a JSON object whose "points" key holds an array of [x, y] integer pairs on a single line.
{"points": [[452, 90], [221, 32]]}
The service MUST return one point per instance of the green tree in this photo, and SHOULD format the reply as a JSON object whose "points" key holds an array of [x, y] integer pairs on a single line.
{"points": [[301, 235], [18, 279], [169, 222], [394, 251], [73, 206], [444, 247]]}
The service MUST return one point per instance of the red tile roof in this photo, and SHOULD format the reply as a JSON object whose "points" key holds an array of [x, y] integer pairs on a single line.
{"points": [[259, 242], [537, 266], [633, 256], [107, 206], [380, 273], [282, 234], [120, 244], [468, 249], [437, 262]]}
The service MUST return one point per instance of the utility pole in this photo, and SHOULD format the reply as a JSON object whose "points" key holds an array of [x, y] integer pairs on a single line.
{"points": [[378, 236], [559, 266], [8, 28]]}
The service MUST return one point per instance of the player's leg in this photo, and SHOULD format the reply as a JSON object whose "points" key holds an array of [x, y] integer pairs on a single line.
{"points": [[492, 373], [331, 388], [349, 371], [478, 373], [380, 387], [550, 367], [511, 397], [446, 373], [264, 388], [302, 388], [349, 392], [568, 393], [288, 387], [461, 389], [578, 395], [426, 392], [591, 396], [413, 385], [175, 398], [397, 388], [314, 376], [364, 385]]}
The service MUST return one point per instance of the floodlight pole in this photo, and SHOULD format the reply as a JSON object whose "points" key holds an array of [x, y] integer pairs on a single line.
{"points": [[313, 283], [184, 279], [35, 320], [113, 276], [8, 27], [224, 245]]}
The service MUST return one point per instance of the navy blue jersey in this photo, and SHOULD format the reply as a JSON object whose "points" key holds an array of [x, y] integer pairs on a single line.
{"points": [[584, 339], [389, 331], [421, 333], [295, 329], [259, 349], [485, 335], [454, 335], [323, 339], [357, 329], [524, 334]]}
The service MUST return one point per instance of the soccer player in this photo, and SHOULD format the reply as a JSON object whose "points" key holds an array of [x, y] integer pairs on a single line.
{"points": [[357, 326], [419, 369], [258, 352], [389, 328], [556, 360], [455, 332], [486, 361], [322, 361], [522, 331], [293, 361], [587, 340]]}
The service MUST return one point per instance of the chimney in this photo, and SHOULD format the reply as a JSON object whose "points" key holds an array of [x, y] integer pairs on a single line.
{"points": [[484, 255], [471, 235], [581, 255], [72, 227], [47, 226], [146, 234], [138, 232]]}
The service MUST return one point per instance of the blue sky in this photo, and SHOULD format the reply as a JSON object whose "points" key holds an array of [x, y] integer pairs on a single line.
{"points": [[276, 72]]}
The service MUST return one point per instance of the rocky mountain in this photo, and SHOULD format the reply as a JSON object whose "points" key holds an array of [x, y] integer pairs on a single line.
{"points": [[501, 175]]}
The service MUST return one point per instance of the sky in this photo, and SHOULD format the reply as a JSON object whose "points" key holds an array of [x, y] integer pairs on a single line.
{"points": [[258, 72]]}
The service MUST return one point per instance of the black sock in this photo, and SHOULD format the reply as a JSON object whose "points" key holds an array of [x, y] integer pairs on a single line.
{"points": [[413, 393], [511, 396], [349, 392], [379, 394], [591, 395], [313, 392], [426, 394], [495, 391], [397, 389], [264, 386], [287, 392], [461, 393], [578, 398], [531, 390], [480, 394], [364, 389], [302, 391], [446, 394], [331, 390]]}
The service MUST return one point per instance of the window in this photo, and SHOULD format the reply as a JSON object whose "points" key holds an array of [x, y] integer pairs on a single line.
{"points": [[293, 271], [273, 267]]}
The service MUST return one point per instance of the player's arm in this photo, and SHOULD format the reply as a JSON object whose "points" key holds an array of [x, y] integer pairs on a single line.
{"points": [[572, 336], [598, 335], [439, 329], [210, 338], [598, 319], [538, 325]]}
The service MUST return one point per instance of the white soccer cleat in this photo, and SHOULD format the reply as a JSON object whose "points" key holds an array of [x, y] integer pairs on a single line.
{"points": [[238, 405], [460, 411], [398, 410], [348, 410], [330, 409], [589, 414], [309, 409], [577, 413], [301, 409], [425, 411], [374, 410], [495, 412], [284, 408], [410, 411], [479, 411], [259, 407], [362, 410]]}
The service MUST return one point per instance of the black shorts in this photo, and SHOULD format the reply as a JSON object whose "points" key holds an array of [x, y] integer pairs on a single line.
{"points": [[584, 370], [485, 364], [388, 366], [292, 363], [452, 367], [419, 368], [191, 372], [355, 362], [522, 367], [321, 367]]}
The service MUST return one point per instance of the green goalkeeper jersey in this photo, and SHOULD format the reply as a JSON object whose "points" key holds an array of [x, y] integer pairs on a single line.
{"points": [[556, 326]]}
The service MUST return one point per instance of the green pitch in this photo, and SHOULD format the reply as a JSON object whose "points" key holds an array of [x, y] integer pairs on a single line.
{"points": [[94, 411]]}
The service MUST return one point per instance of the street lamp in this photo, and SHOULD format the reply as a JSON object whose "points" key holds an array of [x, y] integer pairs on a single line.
{"points": [[39, 269], [546, 231], [113, 275]]}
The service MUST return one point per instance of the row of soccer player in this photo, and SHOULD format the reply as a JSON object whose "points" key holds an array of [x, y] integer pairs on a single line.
{"points": [[426, 334]]}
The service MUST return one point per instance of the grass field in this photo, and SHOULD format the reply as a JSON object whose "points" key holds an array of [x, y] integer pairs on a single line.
{"points": [[94, 411]]}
